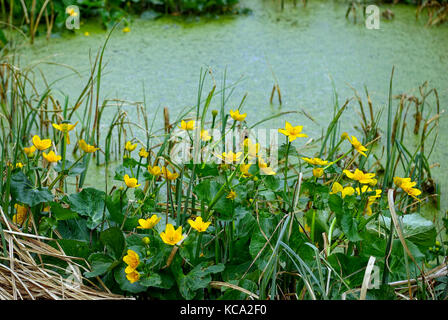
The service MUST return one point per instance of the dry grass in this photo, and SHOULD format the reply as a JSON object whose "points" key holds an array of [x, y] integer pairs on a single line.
{"points": [[23, 275]]}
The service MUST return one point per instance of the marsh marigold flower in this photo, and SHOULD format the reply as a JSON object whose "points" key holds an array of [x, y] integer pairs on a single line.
{"points": [[337, 187], [230, 156], [264, 168], [132, 260], [237, 116], [87, 148], [131, 182], [358, 175], [315, 161], [143, 153], [155, 171], [130, 147], [198, 224], [244, 168], [65, 128], [318, 172], [126, 29], [187, 126], [51, 157], [134, 276], [407, 186], [20, 216], [292, 132], [358, 145], [231, 195], [29, 151], [41, 144], [168, 174], [171, 236], [148, 223], [19, 165], [205, 136]]}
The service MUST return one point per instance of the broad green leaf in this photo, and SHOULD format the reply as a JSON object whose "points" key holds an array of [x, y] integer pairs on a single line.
{"points": [[89, 202], [23, 191], [113, 239], [100, 263]]}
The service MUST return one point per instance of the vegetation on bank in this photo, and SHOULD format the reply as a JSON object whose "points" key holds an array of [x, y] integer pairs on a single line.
{"points": [[51, 15], [45, 17], [313, 227]]}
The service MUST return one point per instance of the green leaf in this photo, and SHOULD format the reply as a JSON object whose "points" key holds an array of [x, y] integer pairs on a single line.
{"points": [[89, 202], [113, 239], [46, 225], [75, 248], [154, 280], [76, 170], [23, 191], [61, 213], [198, 278], [417, 229], [100, 263]]}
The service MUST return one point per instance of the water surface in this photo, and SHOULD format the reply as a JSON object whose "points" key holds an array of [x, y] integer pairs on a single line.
{"points": [[300, 47]]}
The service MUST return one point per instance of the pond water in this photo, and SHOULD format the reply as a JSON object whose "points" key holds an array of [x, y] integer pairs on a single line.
{"points": [[302, 47]]}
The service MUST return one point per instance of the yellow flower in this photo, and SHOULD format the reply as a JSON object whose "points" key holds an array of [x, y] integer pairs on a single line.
{"points": [[131, 182], [373, 182], [126, 29], [19, 165], [72, 12], [408, 186], [146, 240], [51, 157], [29, 151], [251, 148], [265, 169], [134, 276], [155, 171], [148, 223], [231, 195], [337, 187], [188, 126], [292, 132], [399, 181], [143, 153], [230, 157], [198, 224], [132, 260], [20, 216], [237, 116], [87, 148], [315, 161], [87, 33], [307, 228], [171, 236], [41, 144], [65, 128], [358, 175], [205, 136], [363, 189], [318, 172], [244, 168], [168, 174], [130, 147], [358, 145]]}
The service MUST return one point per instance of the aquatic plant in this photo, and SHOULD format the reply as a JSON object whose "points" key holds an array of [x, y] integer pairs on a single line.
{"points": [[298, 220]]}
